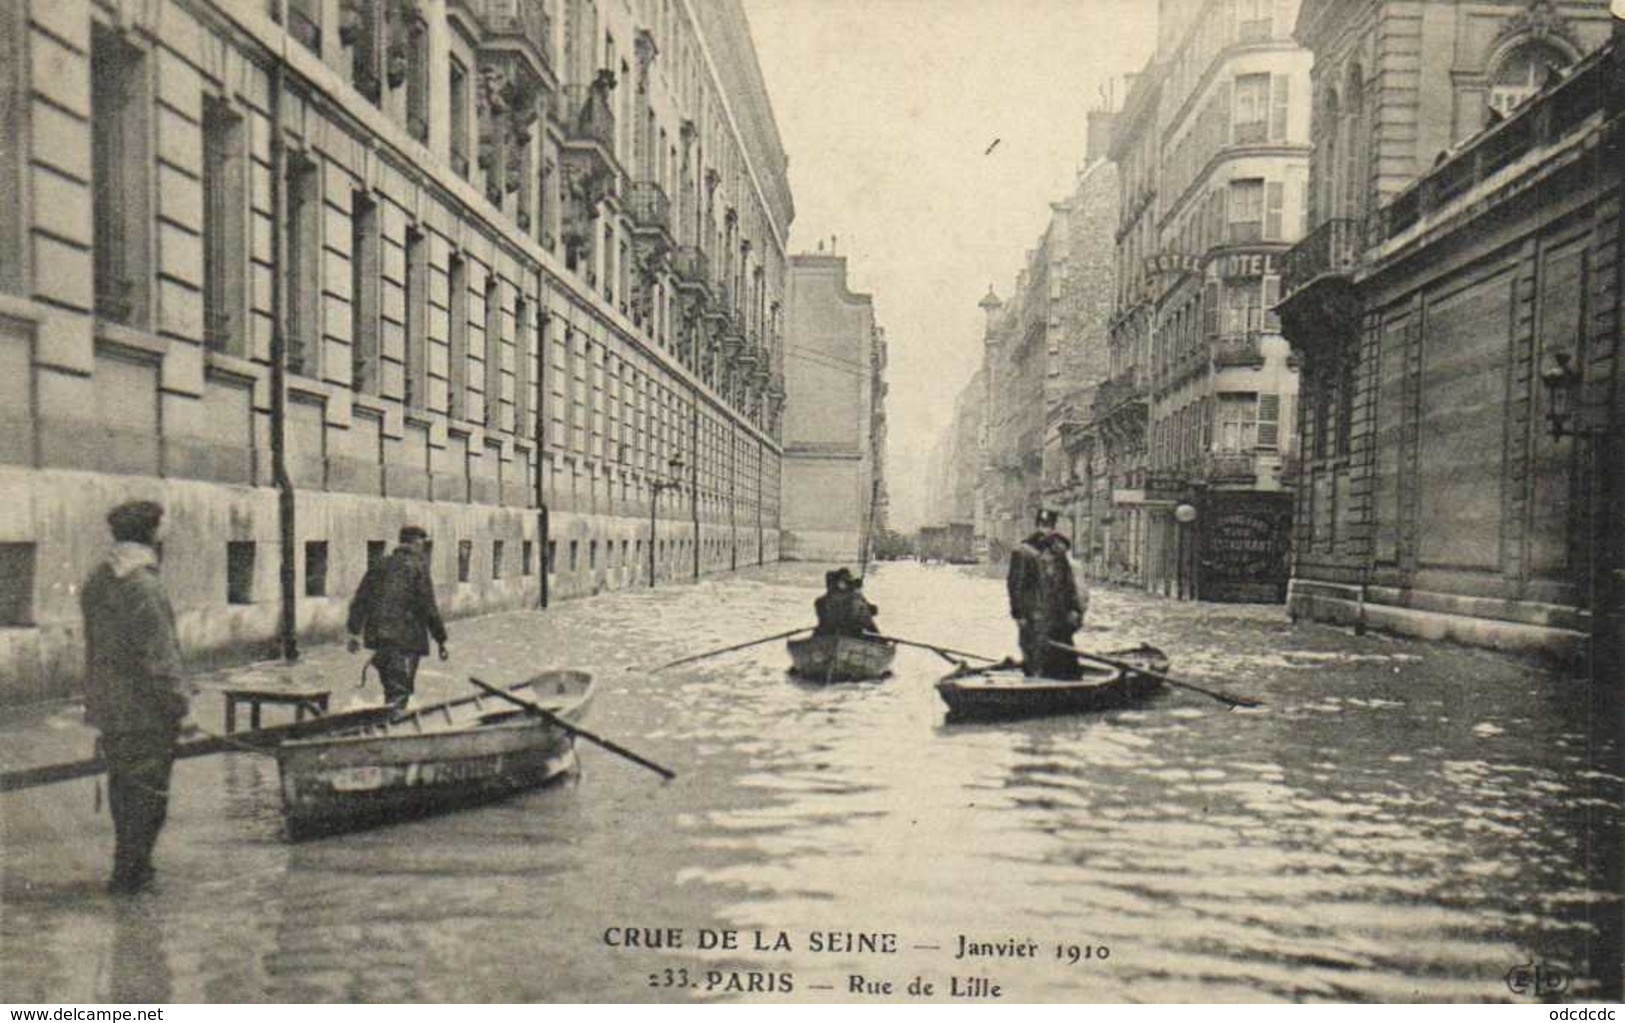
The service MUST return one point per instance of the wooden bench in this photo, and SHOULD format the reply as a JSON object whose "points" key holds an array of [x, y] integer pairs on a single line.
{"points": [[301, 700]]}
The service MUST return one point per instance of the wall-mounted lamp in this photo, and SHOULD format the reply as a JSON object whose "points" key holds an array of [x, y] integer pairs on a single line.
{"points": [[1561, 378]]}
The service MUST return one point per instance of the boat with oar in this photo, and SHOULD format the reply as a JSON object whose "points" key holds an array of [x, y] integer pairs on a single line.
{"points": [[462, 752], [1002, 691], [840, 658]]}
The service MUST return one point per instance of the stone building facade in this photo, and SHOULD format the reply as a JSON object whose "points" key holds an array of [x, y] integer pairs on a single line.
{"points": [[1214, 146], [835, 421], [306, 270], [1461, 281]]}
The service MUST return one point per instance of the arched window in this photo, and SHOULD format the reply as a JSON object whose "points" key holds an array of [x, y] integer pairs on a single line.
{"points": [[1521, 73]]}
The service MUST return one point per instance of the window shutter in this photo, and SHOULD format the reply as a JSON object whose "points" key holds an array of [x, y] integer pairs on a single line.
{"points": [[1269, 420], [1272, 295], [1225, 113], [1280, 90], [1210, 309], [1274, 197]]}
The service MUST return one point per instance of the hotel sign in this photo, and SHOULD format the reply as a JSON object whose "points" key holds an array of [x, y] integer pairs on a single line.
{"points": [[1172, 262], [1247, 264]]}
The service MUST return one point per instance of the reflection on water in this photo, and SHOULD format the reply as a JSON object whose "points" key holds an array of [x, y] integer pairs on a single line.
{"points": [[1398, 822]]}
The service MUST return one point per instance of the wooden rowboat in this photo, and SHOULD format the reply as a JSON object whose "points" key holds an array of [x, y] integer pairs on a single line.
{"points": [[840, 658], [459, 753], [1002, 691]]}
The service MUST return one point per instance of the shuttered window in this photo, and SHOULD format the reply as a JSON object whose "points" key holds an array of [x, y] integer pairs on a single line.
{"points": [[1269, 421]]}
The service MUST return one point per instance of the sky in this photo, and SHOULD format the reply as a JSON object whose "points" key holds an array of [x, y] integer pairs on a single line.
{"points": [[887, 109]]}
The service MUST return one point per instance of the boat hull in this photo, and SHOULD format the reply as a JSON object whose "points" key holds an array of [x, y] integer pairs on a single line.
{"points": [[840, 658], [468, 752], [1003, 692]]}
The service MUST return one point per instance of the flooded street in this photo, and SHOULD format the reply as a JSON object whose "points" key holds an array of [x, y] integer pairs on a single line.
{"points": [[1399, 821]]}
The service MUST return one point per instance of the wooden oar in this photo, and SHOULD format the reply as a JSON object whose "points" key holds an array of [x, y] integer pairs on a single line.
{"points": [[943, 650], [255, 740], [555, 720], [1230, 698], [730, 649]]}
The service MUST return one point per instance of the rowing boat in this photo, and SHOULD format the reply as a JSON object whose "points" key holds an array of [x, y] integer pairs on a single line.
{"points": [[458, 753], [1002, 691], [840, 658]]}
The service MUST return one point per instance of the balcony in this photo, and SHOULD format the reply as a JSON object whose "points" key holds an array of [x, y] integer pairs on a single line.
{"points": [[1238, 350], [522, 26], [1231, 468], [693, 268], [650, 209], [1317, 285], [589, 116], [1331, 248]]}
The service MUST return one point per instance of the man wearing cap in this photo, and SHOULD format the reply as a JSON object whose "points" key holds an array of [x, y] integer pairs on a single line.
{"points": [[394, 613], [860, 614], [134, 688], [1044, 600]]}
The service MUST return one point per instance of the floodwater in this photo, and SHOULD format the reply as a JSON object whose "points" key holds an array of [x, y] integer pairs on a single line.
{"points": [[1399, 821]]}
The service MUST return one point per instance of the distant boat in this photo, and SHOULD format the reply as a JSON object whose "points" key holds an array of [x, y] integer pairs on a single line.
{"points": [[840, 658], [1002, 691], [462, 752]]}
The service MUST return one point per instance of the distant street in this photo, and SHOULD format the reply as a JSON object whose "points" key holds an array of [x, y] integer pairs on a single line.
{"points": [[1400, 821]]}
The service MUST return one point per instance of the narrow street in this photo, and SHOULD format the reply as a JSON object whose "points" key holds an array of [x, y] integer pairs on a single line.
{"points": [[1399, 821]]}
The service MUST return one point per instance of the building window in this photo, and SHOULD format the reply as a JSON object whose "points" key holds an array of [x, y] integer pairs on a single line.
{"points": [[225, 254], [1252, 108], [376, 552], [526, 549], [305, 23], [1246, 211], [360, 28], [417, 372], [552, 556], [301, 264], [364, 288], [119, 177], [1238, 423], [417, 81], [1521, 74], [575, 546], [457, 358], [16, 585], [1253, 24], [496, 559], [592, 555], [240, 572], [493, 352], [459, 119], [1269, 422], [522, 357], [465, 559], [316, 568]]}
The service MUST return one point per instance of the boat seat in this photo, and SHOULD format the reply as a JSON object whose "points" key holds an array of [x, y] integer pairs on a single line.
{"points": [[303, 701]]}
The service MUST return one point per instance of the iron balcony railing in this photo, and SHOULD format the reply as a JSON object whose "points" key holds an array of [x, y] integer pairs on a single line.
{"points": [[1238, 350], [1333, 247], [650, 208], [526, 19]]}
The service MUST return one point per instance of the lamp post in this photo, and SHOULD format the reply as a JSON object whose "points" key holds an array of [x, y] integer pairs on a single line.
{"points": [[1184, 515], [656, 488]]}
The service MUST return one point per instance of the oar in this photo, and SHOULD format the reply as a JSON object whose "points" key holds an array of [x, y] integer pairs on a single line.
{"points": [[208, 743], [943, 650], [730, 649], [1230, 698], [554, 719]]}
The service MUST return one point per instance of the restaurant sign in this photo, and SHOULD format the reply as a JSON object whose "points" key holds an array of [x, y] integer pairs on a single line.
{"points": [[1243, 546]]}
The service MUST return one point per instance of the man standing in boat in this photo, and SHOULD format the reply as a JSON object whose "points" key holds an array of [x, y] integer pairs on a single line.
{"points": [[394, 613], [1044, 600], [134, 691]]}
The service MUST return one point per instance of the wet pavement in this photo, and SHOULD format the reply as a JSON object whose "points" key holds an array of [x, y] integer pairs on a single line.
{"points": [[1399, 821]]}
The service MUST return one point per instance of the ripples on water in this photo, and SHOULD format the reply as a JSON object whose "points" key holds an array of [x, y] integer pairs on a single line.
{"points": [[1398, 822]]}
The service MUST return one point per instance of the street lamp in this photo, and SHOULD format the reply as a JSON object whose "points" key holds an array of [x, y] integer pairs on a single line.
{"points": [[1184, 515], [656, 487]]}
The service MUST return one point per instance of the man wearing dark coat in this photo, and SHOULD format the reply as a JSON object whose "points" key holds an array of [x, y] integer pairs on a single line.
{"points": [[1044, 600], [134, 687], [394, 613], [860, 614], [842, 609]]}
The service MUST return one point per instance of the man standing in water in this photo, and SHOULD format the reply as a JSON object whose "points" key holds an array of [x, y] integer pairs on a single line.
{"points": [[134, 690], [1044, 600], [394, 613]]}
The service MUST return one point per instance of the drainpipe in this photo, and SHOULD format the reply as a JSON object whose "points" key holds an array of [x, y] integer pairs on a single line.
{"points": [[287, 632], [542, 560]]}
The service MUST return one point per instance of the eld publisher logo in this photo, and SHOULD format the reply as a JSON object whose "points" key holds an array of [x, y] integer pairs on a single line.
{"points": [[1537, 980]]}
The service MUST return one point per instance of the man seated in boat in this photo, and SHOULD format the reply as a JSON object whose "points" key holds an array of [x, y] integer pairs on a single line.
{"points": [[842, 609], [1044, 600]]}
